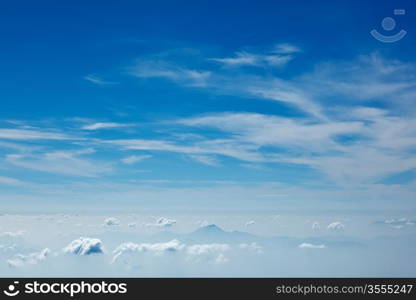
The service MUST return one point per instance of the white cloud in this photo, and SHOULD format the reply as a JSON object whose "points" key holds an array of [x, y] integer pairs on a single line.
{"points": [[60, 162], [399, 222], [104, 125], [285, 48], [30, 259], [219, 147], [156, 248], [336, 226], [311, 246], [27, 134], [111, 222], [208, 253], [355, 163], [134, 158], [369, 77], [178, 252], [366, 78], [266, 130], [207, 248], [250, 59], [240, 59], [84, 246], [162, 222]]}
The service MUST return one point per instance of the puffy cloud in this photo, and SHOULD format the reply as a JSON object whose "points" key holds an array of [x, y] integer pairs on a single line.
{"points": [[84, 246], [133, 254], [336, 226], [162, 222], [31, 259], [311, 246], [207, 248], [111, 222], [156, 248], [208, 252]]}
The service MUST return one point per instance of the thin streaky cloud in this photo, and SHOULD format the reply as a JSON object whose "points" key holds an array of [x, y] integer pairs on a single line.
{"points": [[28, 134], [134, 159], [98, 81], [63, 163], [250, 59], [206, 160], [104, 125], [285, 48], [168, 70], [10, 181]]}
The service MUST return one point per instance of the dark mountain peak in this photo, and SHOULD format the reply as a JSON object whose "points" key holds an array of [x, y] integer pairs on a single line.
{"points": [[210, 228]]}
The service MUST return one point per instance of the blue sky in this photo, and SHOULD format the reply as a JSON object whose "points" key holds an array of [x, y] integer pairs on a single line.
{"points": [[206, 105]]}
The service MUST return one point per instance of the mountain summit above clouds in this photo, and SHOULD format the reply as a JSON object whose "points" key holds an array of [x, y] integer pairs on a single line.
{"points": [[214, 233]]}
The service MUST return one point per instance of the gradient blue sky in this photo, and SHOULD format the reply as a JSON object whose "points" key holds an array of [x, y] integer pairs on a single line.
{"points": [[264, 105]]}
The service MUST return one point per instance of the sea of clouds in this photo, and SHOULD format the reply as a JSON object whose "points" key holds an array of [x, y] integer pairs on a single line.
{"points": [[132, 245]]}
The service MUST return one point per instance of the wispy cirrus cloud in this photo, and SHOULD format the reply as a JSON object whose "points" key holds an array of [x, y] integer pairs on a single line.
{"points": [[98, 81], [224, 147], [243, 58], [10, 181], [349, 144], [168, 70], [59, 162], [31, 134], [134, 159], [105, 125], [206, 160], [337, 148], [285, 48]]}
